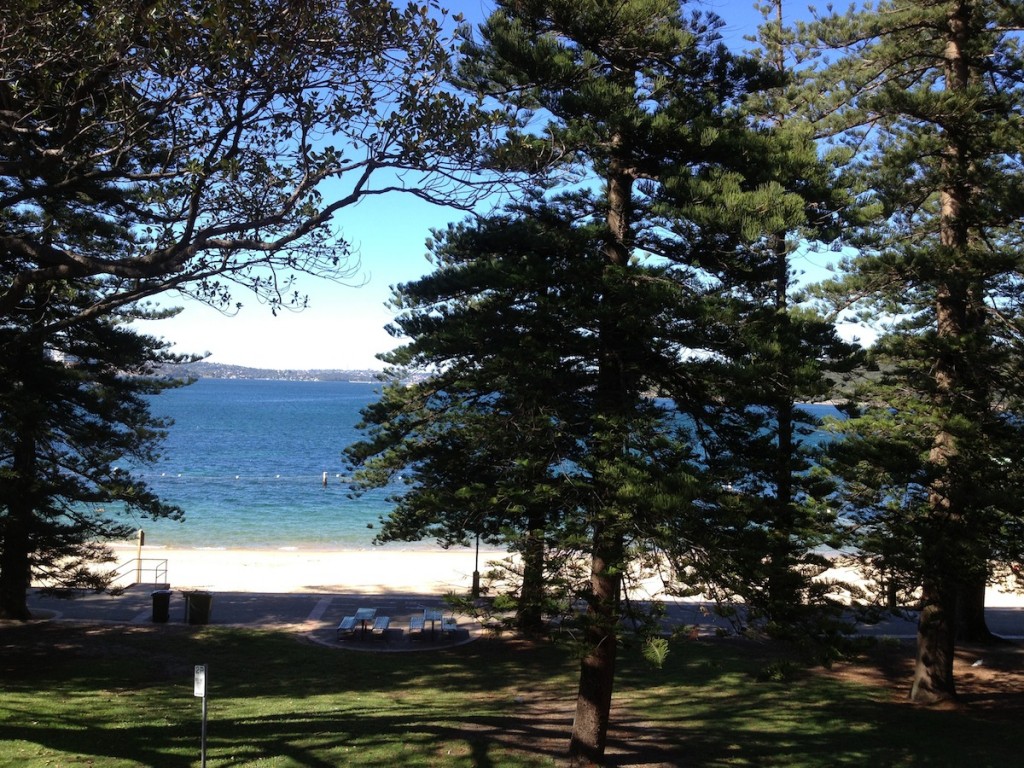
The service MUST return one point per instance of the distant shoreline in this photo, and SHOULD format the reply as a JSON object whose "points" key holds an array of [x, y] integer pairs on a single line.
{"points": [[207, 370]]}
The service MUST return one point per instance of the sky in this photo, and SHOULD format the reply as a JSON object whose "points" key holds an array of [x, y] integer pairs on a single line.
{"points": [[344, 325]]}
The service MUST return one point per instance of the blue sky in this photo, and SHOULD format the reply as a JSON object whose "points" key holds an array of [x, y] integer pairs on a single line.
{"points": [[344, 325]]}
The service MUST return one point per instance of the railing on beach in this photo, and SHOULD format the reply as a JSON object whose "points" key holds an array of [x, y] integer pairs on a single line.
{"points": [[133, 571]]}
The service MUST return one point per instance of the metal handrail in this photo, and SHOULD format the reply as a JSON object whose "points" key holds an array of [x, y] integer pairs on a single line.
{"points": [[136, 567]]}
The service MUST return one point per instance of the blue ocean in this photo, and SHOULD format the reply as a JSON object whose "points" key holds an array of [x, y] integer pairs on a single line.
{"points": [[246, 461]]}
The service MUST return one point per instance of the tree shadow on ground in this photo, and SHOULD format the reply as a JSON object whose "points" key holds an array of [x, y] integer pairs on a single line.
{"points": [[498, 701]]}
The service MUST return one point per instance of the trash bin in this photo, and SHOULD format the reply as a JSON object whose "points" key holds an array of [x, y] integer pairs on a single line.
{"points": [[161, 606], [197, 607]]}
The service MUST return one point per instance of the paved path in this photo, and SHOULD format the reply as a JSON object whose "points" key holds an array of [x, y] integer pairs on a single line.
{"points": [[317, 615], [1005, 622]]}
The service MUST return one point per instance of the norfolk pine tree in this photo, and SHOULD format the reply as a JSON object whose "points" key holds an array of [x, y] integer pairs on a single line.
{"points": [[601, 73], [74, 418], [499, 432], [74, 413], [793, 349], [772, 354], [638, 100], [485, 442], [930, 94]]}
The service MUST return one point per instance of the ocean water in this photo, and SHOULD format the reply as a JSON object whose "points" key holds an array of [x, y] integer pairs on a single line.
{"points": [[246, 459]]}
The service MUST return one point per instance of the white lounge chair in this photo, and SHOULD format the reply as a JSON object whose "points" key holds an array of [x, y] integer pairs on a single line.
{"points": [[416, 624], [347, 626]]}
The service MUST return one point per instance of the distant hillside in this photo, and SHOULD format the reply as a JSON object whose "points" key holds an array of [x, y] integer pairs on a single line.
{"points": [[204, 370]]}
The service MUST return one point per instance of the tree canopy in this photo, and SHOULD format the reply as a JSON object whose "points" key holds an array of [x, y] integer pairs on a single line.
{"points": [[203, 149], [930, 95], [75, 423], [640, 108], [609, 370], [223, 137]]}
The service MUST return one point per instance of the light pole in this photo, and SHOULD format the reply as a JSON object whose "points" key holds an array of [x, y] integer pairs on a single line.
{"points": [[476, 570], [138, 556]]}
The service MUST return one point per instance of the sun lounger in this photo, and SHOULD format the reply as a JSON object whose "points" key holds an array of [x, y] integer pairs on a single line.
{"points": [[416, 624], [380, 625], [448, 626], [347, 626]]}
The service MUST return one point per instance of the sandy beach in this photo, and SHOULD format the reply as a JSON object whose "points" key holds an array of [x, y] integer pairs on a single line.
{"points": [[378, 571], [420, 571]]}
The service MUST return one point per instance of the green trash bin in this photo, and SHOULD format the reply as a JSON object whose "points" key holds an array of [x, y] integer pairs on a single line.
{"points": [[161, 606], [197, 607]]}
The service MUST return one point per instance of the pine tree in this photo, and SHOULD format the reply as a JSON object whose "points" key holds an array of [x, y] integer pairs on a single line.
{"points": [[641, 103], [151, 146], [930, 94], [74, 419], [770, 352], [484, 442], [503, 431], [619, 81]]}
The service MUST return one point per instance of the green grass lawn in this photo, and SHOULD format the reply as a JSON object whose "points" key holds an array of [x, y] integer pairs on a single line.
{"points": [[123, 696]]}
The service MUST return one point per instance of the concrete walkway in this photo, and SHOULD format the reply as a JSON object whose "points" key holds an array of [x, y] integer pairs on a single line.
{"points": [[315, 616]]}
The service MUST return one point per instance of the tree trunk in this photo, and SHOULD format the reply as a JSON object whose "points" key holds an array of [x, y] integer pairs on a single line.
{"points": [[15, 539], [15, 571], [783, 582], [530, 618], [936, 631], [597, 669], [613, 404], [933, 670], [971, 626]]}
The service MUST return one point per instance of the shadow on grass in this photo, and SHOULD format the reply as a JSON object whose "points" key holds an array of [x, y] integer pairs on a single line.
{"points": [[276, 700], [712, 702]]}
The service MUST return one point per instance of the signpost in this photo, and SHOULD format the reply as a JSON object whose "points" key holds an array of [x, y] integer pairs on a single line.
{"points": [[200, 691]]}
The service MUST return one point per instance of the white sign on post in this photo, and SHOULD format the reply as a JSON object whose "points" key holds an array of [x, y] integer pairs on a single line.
{"points": [[200, 691], [200, 686]]}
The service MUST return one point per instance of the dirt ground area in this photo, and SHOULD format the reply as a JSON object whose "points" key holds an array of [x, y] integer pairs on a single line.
{"points": [[989, 678]]}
